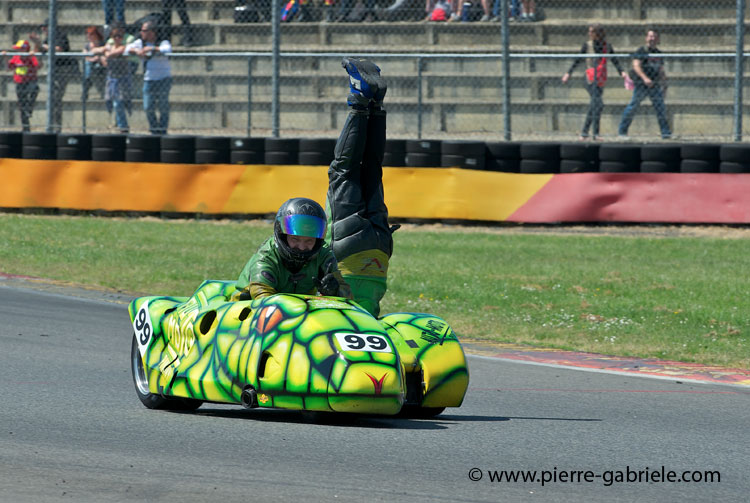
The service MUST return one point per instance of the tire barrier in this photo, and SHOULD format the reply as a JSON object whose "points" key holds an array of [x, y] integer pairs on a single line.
{"points": [[10, 144], [74, 147], [247, 151], [212, 149], [464, 154], [735, 158], [281, 151], [423, 153], [502, 156], [395, 153], [579, 157], [108, 147], [39, 146], [177, 149], [540, 157], [658, 158], [316, 151], [700, 158], [619, 158], [143, 148]]}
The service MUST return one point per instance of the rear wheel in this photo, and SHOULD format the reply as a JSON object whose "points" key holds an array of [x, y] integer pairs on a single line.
{"points": [[149, 399], [417, 412]]}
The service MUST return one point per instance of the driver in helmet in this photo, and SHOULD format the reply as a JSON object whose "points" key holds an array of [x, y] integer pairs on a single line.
{"points": [[295, 259]]}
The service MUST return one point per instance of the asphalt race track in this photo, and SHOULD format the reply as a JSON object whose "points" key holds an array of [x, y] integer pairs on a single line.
{"points": [[72, 429]]}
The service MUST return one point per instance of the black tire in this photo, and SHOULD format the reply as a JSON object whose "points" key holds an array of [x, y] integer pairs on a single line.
{"points": [[212, 156], [663, 153], [38, 152], [76, 141], [315, 158], [540, 151], [110, 141], [107, 154], [417, 412], [395, 146], [394, 159], [580, 151], [467, 149], [734, 167], [699, 166], [616, 152], [322, 145], [73, 154], [246, 157], [39, 140], [539, 166], [423, 147], [219, 143], [138, 155], [177, 156], [503, 165], [700, 151], [734, 153], [417, 160], [143, 142], [282, 145], [149, 399], [177, 142], [248, 144], [448, 160], [283, 157], [11, 138], [576, 166], [660, 166], [619, 167], [11, 151], [503, 150]]}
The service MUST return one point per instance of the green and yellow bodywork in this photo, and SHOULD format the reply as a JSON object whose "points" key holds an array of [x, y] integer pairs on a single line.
{"points": [[296, 352]]}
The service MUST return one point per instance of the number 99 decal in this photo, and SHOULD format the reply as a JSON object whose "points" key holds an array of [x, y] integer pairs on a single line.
{"points": [[363, 342], [143, 328]]}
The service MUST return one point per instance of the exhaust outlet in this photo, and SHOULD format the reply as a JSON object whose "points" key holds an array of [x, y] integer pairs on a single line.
{"points": [[249, 398]]}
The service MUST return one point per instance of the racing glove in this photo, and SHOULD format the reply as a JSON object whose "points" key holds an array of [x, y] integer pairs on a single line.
{"points": [[328, 286]]}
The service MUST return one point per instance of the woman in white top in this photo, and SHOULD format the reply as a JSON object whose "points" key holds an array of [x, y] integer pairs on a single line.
{"points": [[157, 76]]}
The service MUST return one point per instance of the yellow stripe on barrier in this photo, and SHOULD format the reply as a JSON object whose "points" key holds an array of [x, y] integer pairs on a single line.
{"points": [[448, 193]]}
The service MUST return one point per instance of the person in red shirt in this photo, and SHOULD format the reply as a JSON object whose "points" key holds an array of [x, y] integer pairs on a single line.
{"points": [[24, 69]]}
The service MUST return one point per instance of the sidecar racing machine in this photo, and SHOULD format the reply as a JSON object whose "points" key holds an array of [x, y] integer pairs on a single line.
{"points": [[292, 352]]}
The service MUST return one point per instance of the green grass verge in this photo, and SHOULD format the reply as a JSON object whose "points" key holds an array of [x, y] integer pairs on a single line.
{"points": [[680, 298]]}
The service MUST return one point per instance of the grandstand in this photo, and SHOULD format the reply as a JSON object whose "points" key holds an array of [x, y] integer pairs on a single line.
{"points": [[460, 97]]}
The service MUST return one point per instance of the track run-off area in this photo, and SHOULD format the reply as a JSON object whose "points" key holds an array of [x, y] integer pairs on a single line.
{"points": [[72, 429]]}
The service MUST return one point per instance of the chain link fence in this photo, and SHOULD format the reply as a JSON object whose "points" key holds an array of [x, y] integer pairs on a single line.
{"points": [[234, 72]]}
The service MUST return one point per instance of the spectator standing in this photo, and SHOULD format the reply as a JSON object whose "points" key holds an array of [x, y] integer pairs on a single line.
{"points": [[25, 69], [514, 12], [595, 75], [157, 76], [114, 10], [167, 6], [650, 80], [529, 10], [119, 78], [94, 72], [66, 69]]}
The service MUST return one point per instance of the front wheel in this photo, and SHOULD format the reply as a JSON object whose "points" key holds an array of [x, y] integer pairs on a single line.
{"points": [[149, 399]]}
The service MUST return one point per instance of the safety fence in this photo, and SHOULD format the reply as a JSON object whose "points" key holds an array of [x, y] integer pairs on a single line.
{"points": [[493, 73]]}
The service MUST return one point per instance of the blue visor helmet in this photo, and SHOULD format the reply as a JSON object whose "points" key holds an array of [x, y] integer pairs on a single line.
{"points": [[299, 216]]}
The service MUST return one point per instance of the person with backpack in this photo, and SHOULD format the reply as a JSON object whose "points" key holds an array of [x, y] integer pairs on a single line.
{"points": [[595, 76]]}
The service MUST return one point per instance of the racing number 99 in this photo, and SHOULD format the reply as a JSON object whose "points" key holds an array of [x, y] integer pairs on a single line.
{"points": [[360, 342], [142, 327]]}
